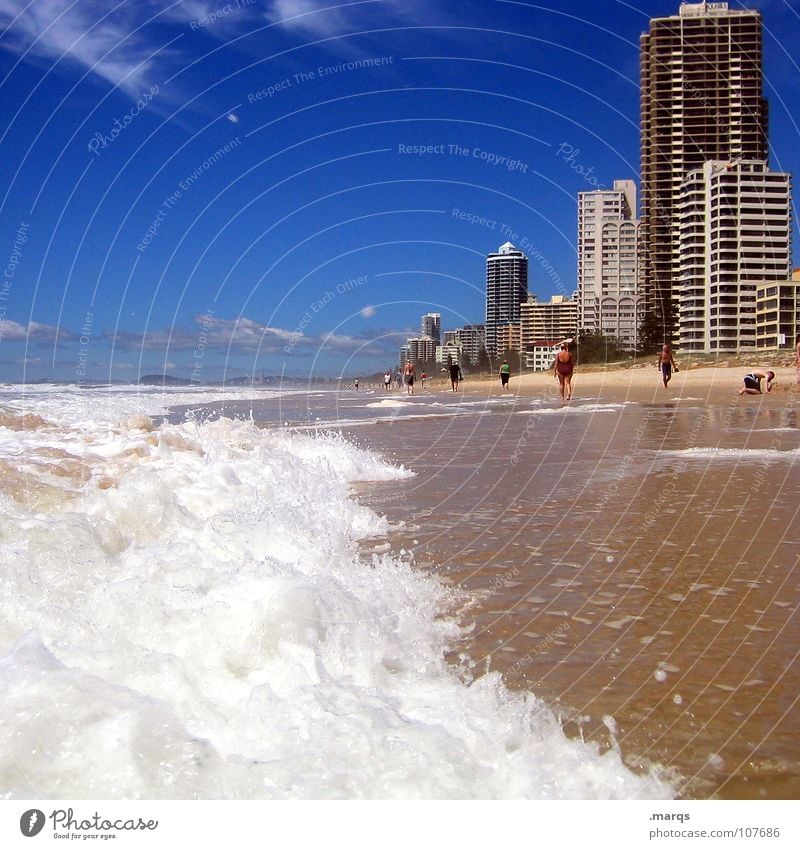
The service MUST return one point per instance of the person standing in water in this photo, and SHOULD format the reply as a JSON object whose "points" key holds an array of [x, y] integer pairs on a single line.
{"points": [[409, 376], [563, 367], [387, 381], [666, 364]]}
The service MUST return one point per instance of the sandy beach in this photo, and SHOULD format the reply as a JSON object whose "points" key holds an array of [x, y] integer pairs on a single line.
{"points": [[629, 557], [642, 384]]}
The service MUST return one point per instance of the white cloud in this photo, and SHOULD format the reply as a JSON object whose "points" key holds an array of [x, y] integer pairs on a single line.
{"points": [[12, 331], [325, 18], [97, 35], [114, 40]]}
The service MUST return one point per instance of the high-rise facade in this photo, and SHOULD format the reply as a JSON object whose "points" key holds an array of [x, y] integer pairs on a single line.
{"points": [[701, 100], [609, 300], [506, 289], [431, 325], [735, 233], [472, 338], [547, 321]]}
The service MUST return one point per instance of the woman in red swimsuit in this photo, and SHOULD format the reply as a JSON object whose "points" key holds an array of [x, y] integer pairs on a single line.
{"points": [[563, 366]]}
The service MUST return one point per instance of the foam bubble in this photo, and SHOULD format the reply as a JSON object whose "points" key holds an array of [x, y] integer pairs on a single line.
{"points": [[195, 618]]}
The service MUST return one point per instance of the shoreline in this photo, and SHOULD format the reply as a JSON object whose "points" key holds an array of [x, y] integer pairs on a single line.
{"points": [[641, 384]]}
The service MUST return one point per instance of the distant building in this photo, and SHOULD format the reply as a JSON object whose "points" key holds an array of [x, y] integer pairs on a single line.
{"points": [[609, 297], [553, 319], [735, 234], [403, 357], [508, 338], [506, 289], [421, 349], [778, 313], [472, 338], [451, 351], [540, 354], [431, 325]]}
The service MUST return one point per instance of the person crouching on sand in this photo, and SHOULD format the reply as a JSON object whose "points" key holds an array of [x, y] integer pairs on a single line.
{"points": [[563, 366], [752, 382], [666, 363]]}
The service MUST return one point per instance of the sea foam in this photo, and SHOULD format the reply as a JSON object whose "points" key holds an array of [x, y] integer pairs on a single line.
{"points": [[189, 614]]}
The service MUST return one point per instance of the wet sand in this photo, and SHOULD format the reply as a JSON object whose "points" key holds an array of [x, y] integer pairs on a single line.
{"points": [[631, 559]]}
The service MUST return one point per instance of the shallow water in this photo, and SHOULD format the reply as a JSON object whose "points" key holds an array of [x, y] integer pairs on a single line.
{"points": [[199, 608], [635, 566]]}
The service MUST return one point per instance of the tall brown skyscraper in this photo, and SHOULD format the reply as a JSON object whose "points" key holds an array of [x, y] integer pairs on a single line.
{"points": [[701, 100]]}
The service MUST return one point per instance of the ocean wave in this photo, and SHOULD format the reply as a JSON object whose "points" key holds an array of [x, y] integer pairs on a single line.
{"points": [[188, 614]]}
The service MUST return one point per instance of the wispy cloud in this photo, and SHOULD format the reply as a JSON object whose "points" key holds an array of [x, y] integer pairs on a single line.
{"points": [[241, 336], [12, 331], [324, 18], [113, 40], [94, 34]]}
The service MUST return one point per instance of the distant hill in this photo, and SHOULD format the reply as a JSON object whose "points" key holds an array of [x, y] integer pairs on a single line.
{"points": [[163, 380]]}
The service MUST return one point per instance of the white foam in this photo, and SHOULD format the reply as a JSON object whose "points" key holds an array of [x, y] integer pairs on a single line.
{"points": [[194, 618], [392, 403], [738, 454]]}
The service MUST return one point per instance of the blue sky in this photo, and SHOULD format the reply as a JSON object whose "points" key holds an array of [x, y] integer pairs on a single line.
{"points": [[218, 188]]}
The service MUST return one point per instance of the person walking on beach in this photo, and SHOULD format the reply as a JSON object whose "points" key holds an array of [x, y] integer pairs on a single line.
{"points": [[455, 376], [505, 374], [666, 363], [752, 382], [797, 359], [423, 377], [409, 375], [563, 367], [387, 380], [355, 384]]}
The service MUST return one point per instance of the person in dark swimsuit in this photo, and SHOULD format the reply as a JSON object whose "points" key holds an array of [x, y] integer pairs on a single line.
{"points": [[666, 363], [563, 367], [409, 376], [455, 375], [752, 382]]}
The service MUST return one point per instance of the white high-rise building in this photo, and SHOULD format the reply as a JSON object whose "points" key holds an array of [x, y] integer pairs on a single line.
{"points": [[431, 325], [701, 100], [506, 289], [609, 299], [735, 234]]}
